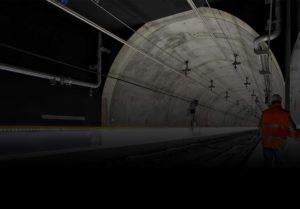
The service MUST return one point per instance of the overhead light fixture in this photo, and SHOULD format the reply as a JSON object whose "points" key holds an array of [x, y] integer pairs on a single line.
{"points": [[236, 63], [187, 69], [247, 82], [211, 85]]}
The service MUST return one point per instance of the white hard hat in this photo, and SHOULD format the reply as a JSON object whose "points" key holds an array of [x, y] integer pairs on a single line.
{"points": [[276, 98]]}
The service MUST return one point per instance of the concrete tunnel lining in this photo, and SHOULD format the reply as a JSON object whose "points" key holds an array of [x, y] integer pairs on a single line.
{"points": [[125, 105]]}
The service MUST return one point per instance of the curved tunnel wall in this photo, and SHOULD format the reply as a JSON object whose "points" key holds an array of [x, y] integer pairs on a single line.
{"points": [[141, 92]]}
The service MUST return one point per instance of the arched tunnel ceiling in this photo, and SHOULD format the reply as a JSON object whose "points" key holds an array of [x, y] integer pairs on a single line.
{"points": [[160, 94]]}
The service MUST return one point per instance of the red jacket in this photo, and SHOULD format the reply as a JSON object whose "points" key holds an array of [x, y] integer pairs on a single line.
{"points": [[275, 127]]}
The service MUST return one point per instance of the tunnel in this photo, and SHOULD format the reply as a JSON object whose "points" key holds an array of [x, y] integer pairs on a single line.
{"points": [[101, 84], [209, 44]]}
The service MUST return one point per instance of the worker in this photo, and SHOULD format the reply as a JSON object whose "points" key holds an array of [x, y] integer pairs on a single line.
{"points": [[276, 126]]}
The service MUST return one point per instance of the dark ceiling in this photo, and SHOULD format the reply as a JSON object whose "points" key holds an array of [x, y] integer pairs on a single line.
{"points": [[135, 13]]}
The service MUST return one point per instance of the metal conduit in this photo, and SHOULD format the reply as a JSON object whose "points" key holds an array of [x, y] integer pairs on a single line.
{"points": [[196, 12], [257, 49], [64, 80], [55, 78], [94, 25]]}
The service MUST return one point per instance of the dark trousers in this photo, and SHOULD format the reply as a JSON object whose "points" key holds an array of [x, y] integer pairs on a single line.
{"points": [[274, 158]]}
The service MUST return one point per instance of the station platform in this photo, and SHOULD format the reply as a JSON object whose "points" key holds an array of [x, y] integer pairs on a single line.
{"points": [[163, 147], [29, 142]]}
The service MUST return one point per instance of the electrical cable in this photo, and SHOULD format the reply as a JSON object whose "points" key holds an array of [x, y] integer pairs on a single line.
{"points": [[134, 31], [212, 36], [169, 94], [230, 45], [46, 58]]}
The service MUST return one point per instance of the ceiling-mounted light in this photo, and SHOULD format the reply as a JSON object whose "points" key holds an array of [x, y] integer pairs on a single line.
{"points": [[236, 63], [247, 82], [211, 85], [187, 69], [227, 96]]}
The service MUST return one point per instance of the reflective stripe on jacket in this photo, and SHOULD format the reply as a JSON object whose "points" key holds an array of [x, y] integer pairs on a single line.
{"points": [[275, 127]]}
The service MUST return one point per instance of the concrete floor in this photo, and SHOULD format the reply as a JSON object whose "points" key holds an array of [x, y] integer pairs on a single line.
{"points": [[17, 144]]}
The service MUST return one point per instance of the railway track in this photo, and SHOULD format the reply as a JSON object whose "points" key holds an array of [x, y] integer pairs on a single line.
{"points": [[230, 151]]}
